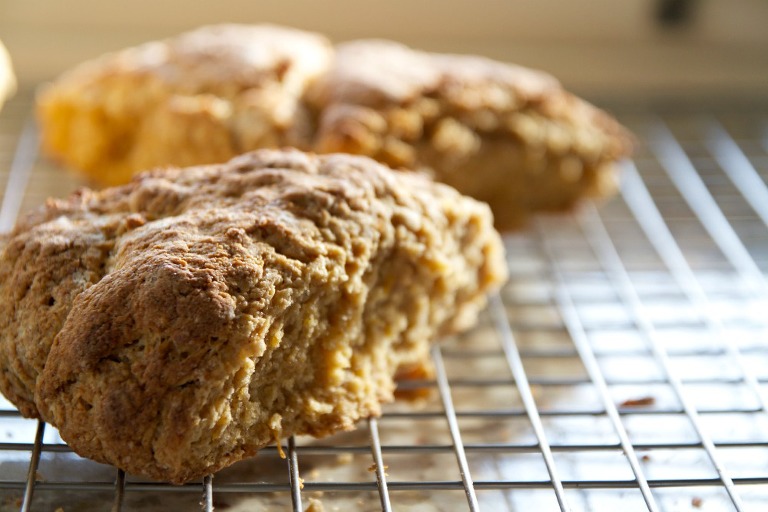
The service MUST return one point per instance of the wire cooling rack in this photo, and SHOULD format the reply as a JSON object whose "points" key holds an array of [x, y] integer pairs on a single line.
{"points": [[624, 366]]}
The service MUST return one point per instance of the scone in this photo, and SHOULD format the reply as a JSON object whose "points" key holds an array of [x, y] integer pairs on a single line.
{"points": [[507, 135], [503, 134], [7, 78], [177, 324], [202, 97]]}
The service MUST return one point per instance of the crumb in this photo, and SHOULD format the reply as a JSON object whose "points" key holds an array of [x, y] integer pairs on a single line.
{"points": [[419, 389], [372, 468], [275, 424], [638, 402], [301, 483], [315, 505], [344, 458], [646, 458], [696, 502]]}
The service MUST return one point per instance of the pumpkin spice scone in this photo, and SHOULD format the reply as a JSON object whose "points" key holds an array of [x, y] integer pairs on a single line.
{"points": [[504, 134], [178, 324], [201, 97]]}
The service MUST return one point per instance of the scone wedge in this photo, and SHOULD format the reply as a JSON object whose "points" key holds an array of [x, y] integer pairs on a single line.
{"points": [[178, 324], [202, 97], [501, 133]]}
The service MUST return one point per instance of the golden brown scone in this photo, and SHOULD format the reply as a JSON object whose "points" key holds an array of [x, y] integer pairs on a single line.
{"points": [[202, 97], [504, 134], [179, 323], [501, 133], [7, 78]]}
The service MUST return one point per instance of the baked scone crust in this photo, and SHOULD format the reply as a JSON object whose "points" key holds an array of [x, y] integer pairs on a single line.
{"points": [[179, 323], [505, 134], [201, 97], [501, 133]]}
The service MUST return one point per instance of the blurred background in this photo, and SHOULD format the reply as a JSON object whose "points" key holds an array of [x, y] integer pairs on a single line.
{"points": [[598, 48]]}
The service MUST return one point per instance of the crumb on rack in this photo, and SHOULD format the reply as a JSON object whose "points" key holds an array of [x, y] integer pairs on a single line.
{"points": [[638, 402], [373, 467], [646, 458], [275, 425], [697, 502], [315, 505], [344, 458], [413, 383]]}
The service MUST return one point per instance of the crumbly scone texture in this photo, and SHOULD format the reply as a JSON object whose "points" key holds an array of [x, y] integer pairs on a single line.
{"points": [[501, 133], [177, 324], [201, 97], [7, 77], [505, 134]]}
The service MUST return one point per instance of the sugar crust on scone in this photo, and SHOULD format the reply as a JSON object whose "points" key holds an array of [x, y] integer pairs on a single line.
{"points": [[505, 134], [177, 324], [201, 97]]}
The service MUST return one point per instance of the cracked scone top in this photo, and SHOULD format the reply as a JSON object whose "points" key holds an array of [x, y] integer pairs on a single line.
{"points": [[201, 97], [179, 323], [501, 133]]}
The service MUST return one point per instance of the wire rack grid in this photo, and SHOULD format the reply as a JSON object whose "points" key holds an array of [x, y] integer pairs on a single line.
{"points": [[623, 367]]}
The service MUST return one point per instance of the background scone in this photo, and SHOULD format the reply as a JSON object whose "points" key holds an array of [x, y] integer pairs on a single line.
{"points": [[507, 135], [179, 323], [500, 133], [202, 97], [7, 78]]}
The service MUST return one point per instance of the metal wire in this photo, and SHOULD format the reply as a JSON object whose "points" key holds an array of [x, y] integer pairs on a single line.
{"points": [[540, 330], [518, 370], [378, 460], [606, 252], [23, 159], [687, 179], [453, 426], [208, 493], [117, 505], [293, 475], [26, 505], [639, 200], [738, 168], [576, 330]]}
